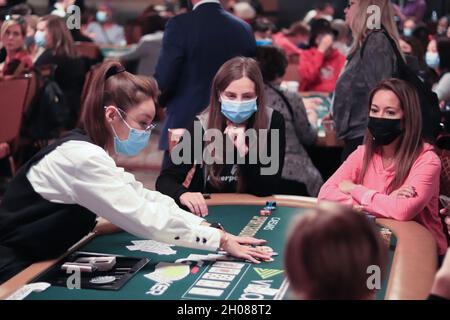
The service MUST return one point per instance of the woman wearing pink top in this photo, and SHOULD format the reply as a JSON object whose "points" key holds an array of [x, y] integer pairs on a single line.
{"points": [[394, 174]]}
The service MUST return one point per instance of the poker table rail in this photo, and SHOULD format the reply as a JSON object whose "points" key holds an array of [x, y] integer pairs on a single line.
{"points": [[411, 276]]}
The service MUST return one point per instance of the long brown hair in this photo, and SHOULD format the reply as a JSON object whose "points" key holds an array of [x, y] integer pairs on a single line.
{"points": [[62, 41], [359, 26], [113, 86], [411, 144], [233, 70], [328, 252]]}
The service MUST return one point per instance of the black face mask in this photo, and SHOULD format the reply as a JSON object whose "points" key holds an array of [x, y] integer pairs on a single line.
{"points": [[385, 131]]}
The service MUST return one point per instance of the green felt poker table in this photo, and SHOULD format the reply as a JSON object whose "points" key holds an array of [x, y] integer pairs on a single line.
{"points": [[411, 267]]}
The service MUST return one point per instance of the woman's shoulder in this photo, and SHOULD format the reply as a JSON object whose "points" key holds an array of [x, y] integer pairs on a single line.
{"points": [[79, 150], [377, 41], [428, 156], [46, 57]]}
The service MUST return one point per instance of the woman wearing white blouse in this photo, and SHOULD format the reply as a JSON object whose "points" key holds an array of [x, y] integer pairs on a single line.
{"points": [[55, 198]]}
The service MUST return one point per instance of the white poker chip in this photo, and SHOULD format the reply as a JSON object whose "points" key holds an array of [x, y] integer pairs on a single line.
{"points": [[102, 280]]}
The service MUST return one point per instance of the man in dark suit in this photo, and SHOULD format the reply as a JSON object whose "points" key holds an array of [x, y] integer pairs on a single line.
{"points": [[195, 46]]}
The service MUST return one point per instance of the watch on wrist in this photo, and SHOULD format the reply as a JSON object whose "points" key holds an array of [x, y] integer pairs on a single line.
{"points": [[217, 225]]}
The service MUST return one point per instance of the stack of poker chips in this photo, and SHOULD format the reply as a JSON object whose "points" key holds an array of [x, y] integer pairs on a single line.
{"points": [[267, 210]]}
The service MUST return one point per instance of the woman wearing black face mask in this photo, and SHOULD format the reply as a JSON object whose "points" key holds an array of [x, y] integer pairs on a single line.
{"points": [[394, 174]]}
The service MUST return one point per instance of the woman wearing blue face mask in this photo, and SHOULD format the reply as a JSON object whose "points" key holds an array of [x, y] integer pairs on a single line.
{"points": [[58, 49], [104, 30], [55, 199], [440, 60], [237, 109]]}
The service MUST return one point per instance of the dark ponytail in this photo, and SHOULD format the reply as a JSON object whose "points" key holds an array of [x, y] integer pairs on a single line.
{"points": [[112, 85]]}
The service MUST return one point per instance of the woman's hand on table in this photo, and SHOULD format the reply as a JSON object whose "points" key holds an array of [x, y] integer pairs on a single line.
{"points": [[195, 202], [241, 247]]}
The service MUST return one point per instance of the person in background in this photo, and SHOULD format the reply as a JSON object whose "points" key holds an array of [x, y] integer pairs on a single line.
{"points": [[13, 34], [30, 41], [395, 174], [60, 51], [149, 47], [443, 25], [293, 40], [432, 55], [363, 71], [104, 30], [343, 38], [408, 27], [320, 66], [263, 30], [422, 34], [301, 126], [323, 10], [244, 10], [328, 252], [21, 9], [448, 32], [412, 8], [87, 17], [61, 7], [414, 53], [441, 62], [32, 21]]}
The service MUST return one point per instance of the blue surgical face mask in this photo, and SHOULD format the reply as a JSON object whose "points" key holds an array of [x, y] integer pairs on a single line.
{"points": [[432, 59], [238, 111], [263, 42], [407, 32], [136, 141], [102, 16], [39, 38]]}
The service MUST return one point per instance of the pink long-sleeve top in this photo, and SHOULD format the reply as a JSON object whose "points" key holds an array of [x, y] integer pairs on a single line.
{"points": [[372, 193]]}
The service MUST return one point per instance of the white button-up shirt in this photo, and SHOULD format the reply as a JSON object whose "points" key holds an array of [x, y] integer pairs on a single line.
{"points": [[82, 173]]}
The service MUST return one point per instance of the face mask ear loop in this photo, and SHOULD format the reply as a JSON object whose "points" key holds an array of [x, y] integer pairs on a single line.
{"points": [[112, 127]]}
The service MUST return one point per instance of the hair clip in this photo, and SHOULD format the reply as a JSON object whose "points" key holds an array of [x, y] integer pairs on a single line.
{"points": [[113, 71]]}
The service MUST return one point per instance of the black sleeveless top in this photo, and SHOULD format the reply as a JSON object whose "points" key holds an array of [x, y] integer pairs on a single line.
{"points": [[34, 229]]}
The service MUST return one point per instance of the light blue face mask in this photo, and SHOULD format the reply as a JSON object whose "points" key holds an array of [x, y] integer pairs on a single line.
{"points": [[407, 32], [101, 16], [432, 59], [136, 141], [264, 42], [39, 39], [238, 111]]}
